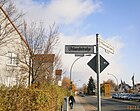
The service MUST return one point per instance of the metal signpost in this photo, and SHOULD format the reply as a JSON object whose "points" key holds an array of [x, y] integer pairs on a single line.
{"points": [[98, 72], [97, 63]]}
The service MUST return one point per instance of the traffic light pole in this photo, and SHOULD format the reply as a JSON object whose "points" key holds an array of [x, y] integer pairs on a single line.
{"points": [[98, 73], [71, 72]]}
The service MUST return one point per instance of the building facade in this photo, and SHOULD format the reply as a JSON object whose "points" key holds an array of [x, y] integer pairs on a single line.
{"points": [[12, 44], [16, 63]]}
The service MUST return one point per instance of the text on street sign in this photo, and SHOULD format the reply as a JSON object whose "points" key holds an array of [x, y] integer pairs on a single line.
{"points": [[79, 49], [106, 46]]}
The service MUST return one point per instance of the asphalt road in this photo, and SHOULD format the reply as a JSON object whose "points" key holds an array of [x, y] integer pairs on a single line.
{"points": [[108, 104]]}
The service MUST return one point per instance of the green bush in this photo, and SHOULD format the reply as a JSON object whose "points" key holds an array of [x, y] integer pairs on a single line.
{"points": [[46, 97]]}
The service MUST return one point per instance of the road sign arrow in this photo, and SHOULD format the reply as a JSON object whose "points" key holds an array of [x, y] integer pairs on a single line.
{"points": [[103, 63]]}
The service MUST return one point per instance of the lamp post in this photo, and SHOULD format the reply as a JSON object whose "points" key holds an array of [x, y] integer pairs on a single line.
{"points": [[72, 67], [115, 78]]}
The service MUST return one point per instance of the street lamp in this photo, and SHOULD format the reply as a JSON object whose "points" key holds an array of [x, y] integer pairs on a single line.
{"points": [[115, 78], [72, 67]]}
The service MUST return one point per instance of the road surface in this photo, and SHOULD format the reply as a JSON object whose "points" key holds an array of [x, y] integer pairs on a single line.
{"points": [[89, 103]]}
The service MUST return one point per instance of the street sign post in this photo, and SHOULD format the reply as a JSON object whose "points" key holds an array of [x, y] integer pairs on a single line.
{"points": [[98, 73], [97, 63], [79, 49]]}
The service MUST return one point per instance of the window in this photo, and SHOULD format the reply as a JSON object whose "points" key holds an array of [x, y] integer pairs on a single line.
{"points": [[12, 58]]}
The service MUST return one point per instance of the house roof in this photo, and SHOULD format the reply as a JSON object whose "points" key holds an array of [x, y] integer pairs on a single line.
{"points": [[22, 38]]}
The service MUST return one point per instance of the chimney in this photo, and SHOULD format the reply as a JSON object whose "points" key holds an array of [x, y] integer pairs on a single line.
{"points": [[58, 74]]}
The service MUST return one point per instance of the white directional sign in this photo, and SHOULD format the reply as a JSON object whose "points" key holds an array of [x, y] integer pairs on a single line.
{"points": [[79, 49], [106, 46]]}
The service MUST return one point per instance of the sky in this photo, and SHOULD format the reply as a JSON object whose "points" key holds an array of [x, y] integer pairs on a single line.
{"points": [[116, 21]]}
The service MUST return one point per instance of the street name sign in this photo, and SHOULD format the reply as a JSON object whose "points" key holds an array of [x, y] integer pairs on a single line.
{"points": [[106, 46], [103, 63], [79, 49]]}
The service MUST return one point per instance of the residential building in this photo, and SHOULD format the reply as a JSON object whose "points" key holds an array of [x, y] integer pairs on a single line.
{"points": [[43, 67], [12, 44], [16, 64]]}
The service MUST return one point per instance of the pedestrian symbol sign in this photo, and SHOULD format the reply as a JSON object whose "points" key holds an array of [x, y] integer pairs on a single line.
{"points": [[103, 63]]}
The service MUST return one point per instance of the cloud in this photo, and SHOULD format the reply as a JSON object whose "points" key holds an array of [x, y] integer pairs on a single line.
{"points": [[71, 10], [59, 11]]}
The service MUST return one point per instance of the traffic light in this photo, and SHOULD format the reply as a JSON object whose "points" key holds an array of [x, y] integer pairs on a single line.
{"points": [[70, 87]]}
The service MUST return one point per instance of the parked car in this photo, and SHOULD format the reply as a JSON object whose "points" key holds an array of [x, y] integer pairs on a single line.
{"points": [[115, 95], [125, 96], [130, 96], [81, 94], [121, 95], [136, 97]]}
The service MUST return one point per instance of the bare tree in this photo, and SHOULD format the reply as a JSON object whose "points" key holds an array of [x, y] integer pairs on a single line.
{"points": [[37, 40], [51, 43], [41, 44], [9, 16]]}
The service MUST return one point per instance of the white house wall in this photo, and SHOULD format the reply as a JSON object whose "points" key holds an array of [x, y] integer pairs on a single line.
{"points": [[10, 74]]}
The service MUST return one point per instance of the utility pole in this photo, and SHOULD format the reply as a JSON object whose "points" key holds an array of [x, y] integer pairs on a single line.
{"points": [[98, 73]]}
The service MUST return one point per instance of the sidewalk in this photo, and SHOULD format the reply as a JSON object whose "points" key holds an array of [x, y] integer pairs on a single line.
{"points": [[77, 105]]}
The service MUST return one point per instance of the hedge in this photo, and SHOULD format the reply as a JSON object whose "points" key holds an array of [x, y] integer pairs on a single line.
{"points": [[43, 98]]}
